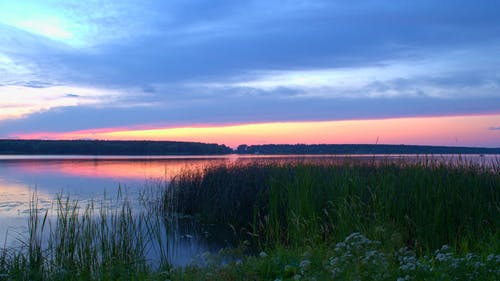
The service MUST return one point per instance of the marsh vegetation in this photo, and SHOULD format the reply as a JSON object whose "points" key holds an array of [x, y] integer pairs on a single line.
{"points": [[294, 220]]}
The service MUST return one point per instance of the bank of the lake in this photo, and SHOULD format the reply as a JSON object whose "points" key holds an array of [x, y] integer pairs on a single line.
{"points": [[158, 148], [302, 220]]}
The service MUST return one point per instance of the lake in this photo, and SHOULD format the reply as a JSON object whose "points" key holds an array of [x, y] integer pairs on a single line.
{"points": [[86, 178]]}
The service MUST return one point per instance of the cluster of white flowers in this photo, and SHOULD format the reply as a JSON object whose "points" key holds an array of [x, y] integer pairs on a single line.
{"points": [[446, 264], [472, 266], [409, 264], [300, 270], [444, 254], [493, 264], [358, 256]]}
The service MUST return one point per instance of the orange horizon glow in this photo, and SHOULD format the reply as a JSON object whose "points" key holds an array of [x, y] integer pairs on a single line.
{"points": [[470, 130]]}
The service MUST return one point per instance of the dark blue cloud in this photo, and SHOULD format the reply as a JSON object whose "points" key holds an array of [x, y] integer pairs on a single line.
{"points": [[243, 37]]}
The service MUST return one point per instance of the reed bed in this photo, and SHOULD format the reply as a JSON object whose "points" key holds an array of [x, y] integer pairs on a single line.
{"points": [[419, 204], [98, 240]]}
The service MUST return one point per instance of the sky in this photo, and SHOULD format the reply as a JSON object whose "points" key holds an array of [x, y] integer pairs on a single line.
{"points": [[253, 72]]}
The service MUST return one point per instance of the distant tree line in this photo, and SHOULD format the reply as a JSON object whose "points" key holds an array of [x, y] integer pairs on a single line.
{"points": [[360, 149], [97, 147]]}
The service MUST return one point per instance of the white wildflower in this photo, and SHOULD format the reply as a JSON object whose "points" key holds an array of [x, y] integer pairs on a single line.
{"points": [[478, 264], [490, 257], [406, 278], [441, 257], [305, 264]]}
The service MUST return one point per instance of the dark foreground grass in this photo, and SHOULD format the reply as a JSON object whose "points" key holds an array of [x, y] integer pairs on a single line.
{"points": [[309, 221]]}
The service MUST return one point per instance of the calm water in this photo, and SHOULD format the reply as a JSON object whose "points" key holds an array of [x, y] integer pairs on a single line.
{"points": [[94, 177]]}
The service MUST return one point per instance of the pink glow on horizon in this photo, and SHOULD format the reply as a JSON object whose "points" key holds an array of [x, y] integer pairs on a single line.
{"points": [[454, 131]]}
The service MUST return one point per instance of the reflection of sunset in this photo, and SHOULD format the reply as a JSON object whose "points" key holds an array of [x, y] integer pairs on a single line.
{"points": [[15, 198], [115, 169], [457, 130]]}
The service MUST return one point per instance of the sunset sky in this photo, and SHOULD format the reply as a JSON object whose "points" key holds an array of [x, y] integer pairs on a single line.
{"points": [[254, 72]]}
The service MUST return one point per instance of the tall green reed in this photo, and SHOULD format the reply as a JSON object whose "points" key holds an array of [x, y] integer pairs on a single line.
{"points": [[110, 239], [421, 204]]}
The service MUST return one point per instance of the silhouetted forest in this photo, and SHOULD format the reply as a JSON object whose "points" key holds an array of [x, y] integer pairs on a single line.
{"points": [[95, 147], [360, 149]]}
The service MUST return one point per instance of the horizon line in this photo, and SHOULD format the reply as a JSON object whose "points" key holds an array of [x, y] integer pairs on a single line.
{"points": [[262, 144]]}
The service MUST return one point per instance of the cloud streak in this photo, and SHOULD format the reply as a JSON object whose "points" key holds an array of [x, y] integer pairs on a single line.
{"points": [[435, 77], [22, 101]]}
